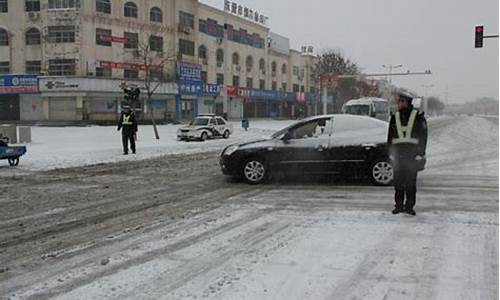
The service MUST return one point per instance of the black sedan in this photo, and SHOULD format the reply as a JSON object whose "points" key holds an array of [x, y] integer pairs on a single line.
{"points": [[341, 145]]}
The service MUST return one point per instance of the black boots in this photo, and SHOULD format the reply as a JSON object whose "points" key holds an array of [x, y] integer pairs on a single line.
{"points": [[410, 211], [398, 210]]}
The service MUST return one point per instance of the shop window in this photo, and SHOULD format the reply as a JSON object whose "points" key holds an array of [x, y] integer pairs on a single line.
{"points": [[103, 72], [130, 74]]}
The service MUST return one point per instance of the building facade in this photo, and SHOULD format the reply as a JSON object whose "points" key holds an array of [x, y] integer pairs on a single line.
{"points": [[196, 58]]}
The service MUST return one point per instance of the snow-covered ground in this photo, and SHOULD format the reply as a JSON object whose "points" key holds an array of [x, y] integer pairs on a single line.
{"points": [[60, 147], [113, 233]]}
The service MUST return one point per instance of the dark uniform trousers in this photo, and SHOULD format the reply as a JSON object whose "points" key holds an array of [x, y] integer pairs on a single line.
{"points": [[405, 182], [125, 139]]}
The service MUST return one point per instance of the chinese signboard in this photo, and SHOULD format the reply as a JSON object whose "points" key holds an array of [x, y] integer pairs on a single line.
{"points": [[113, 39], [187, 71], [244, 12], [126, 66], [211, 89], [18, 84], [190, 88], [189, 76]]}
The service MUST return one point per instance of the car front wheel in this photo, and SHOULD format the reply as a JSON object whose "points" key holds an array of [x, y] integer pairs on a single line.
{"points": [[254, 171], [204, 136], [381, 172]]}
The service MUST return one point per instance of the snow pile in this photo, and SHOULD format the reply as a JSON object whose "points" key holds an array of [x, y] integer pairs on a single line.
{"points": [[463, 145]]}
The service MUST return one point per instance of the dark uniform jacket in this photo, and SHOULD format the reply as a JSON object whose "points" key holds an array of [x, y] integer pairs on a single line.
{"points": [[128, 124], [408, 151]]}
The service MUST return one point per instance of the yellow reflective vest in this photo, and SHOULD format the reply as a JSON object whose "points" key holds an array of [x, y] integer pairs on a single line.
{"points": [[126, 120], [404, 132]]}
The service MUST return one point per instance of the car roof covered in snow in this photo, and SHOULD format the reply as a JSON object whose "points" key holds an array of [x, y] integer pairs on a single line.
{"points": [[366, 100]]}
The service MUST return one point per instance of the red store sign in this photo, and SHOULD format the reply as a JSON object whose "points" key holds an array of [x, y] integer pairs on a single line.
{"points": [[113, 39], [126, 66]]}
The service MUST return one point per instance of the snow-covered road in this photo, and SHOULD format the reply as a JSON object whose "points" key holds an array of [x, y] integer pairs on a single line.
{"points": [[135, 231]]}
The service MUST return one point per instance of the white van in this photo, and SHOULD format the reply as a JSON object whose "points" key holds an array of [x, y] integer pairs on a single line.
{"points": [[369, 106]]}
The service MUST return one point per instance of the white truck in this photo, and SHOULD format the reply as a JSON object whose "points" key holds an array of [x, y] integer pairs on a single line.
{"points": [[369, 106], [205, 127]]}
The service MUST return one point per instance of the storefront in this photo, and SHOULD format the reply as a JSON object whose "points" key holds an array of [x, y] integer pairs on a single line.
{"points": [[209, 99], [19, 97], [100, 100]]}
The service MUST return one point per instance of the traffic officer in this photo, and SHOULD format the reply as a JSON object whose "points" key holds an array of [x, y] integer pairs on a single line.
{"points": [[128, 125], [407, 140]]}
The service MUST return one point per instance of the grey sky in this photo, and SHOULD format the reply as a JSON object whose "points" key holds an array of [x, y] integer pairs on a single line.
{"points": [[423, 34]]}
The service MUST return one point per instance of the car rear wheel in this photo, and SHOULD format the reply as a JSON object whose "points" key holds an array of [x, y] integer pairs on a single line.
{"points": [[226, 134], [254, 171], [381, 172]]}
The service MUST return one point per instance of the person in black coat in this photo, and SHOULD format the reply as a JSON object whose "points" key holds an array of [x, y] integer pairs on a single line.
{"points": [[407, 140], [128, 126]]}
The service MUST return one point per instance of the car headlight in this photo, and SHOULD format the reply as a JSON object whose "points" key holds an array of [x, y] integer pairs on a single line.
{"points": [[229, 150]]}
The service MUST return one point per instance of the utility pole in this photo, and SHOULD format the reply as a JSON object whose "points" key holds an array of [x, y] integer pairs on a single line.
{"points": [[391, 67]]}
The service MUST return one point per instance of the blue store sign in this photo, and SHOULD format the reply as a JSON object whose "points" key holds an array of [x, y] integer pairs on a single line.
{"points": [[190, 72], [190, 88], [18, 84], [211, 90]]}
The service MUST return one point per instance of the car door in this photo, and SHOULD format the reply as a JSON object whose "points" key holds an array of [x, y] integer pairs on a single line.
{"points": [[353, 140], [213, 126], [221, 125], [305, 149]]}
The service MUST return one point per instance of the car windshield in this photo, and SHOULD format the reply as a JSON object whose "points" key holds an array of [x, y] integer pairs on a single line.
{"points": [[358, 109], [199, 122]]}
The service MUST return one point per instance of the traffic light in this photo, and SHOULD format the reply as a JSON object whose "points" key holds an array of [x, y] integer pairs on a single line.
{"points": [[479, 36]]}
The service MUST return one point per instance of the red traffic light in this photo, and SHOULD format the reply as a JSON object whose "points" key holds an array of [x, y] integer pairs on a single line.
{"points": [[478, 39]]}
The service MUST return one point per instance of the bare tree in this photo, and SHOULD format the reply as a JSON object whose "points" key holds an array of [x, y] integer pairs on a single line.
{"points": [[333, 62], [158, 63]]}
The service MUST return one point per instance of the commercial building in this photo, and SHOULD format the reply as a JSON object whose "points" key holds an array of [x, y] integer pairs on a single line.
{"points": [[196, 58]]}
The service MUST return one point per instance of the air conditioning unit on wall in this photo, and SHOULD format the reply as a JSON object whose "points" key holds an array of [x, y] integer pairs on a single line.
{"points": [[34, 16]]}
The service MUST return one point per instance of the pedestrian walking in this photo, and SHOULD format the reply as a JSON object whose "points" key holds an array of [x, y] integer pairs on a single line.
{"points": [[128, 126], [407, 140]]}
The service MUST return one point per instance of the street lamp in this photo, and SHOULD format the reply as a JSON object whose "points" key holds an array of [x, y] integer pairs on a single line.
{"points": [[391, 67]]}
